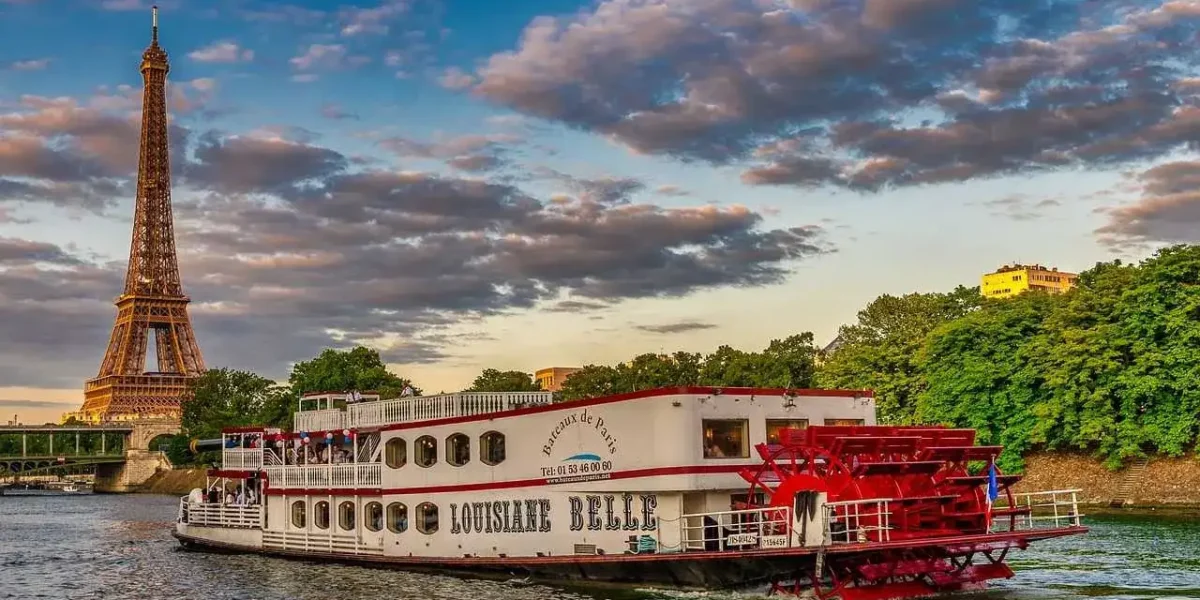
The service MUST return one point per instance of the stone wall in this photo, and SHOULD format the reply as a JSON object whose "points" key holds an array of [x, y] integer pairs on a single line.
{"points": [[139, 465], [175, 482], [1164, 482]]}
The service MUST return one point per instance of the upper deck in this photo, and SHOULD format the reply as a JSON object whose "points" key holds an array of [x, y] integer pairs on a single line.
{"points": [[333, 411]]}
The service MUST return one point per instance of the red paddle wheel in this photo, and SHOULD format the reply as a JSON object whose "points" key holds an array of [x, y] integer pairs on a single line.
{"points": [[921, 472]]}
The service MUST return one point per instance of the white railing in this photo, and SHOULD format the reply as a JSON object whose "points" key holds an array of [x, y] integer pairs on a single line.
{"points": [[425, 408], [242, 458], [749, 529], [1041, 510], [344, 476], [320, 420], [219, 515], [857, 521], [320, 542]]}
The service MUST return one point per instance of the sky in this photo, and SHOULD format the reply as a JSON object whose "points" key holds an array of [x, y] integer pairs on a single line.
{"points": [[466, 184]]}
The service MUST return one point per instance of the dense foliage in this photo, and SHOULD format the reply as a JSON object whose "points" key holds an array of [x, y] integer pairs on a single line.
{"points": [[789, 362], [494, 380], [1112, 367]]}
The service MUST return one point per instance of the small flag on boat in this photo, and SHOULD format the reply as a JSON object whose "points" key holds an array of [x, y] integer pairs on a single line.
{"points": [[993, 490]]}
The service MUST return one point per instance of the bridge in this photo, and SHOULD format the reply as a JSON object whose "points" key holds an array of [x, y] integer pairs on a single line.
{"points": [[122, 453]]}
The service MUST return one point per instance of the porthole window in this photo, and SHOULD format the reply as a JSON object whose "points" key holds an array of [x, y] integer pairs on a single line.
{"points": [[426, 451], [491, 448], [374, 512], [397, 517], [427, 518], [395, 453], [346, 516], [298, 514], [458, 449], [321, 515]]}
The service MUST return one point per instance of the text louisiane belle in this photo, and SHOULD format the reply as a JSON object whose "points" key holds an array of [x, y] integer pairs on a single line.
{"points": [[593, 512]]}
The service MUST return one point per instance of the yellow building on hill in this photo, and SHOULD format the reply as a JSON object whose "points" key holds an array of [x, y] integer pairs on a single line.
{"points": [[1011, 280], [552, 378]]}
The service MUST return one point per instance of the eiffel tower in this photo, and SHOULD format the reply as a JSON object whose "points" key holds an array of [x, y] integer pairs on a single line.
{"points": [[153, 299]]}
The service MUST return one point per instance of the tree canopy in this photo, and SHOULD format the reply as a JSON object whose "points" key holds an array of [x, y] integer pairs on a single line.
{"points": [[360, 368], [495, 380]]}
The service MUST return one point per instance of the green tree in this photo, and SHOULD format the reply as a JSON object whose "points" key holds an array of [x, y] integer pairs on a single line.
{"points": [[495, 380], [592, 381], [228, 398], [977, 376], [880, 352], [360, 368]]}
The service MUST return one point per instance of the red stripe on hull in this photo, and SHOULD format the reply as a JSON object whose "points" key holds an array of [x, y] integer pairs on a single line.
{"points": [[518, 483]]}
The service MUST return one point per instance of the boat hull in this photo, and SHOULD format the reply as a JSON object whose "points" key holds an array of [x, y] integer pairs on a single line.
{"points": [[688, 571]]}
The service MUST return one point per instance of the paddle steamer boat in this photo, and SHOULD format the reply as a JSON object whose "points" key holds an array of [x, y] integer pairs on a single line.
{"points": [[694, 487]]}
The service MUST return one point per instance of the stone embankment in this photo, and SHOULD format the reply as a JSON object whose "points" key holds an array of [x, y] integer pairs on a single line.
{"points": [[1158, 482], [175, 482]]}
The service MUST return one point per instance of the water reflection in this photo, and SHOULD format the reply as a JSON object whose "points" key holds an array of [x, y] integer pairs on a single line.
{"points": [[119, 547]]}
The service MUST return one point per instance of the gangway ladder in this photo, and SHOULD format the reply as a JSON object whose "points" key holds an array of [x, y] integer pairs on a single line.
{"points": [[1130, 482]]}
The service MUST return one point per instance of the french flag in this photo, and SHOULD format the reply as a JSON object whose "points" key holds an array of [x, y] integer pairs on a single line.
{"points": [[993, 490]]}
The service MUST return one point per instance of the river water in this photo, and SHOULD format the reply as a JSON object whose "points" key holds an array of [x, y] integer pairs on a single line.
{"points": [[119, 547]]}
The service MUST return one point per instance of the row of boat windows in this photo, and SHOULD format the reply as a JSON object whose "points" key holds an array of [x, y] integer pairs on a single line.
{"points": [[396, 516], [458, 450]]}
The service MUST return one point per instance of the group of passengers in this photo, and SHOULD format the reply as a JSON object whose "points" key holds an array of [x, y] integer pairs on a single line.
{"points": [[321, 454], [241, 495]]}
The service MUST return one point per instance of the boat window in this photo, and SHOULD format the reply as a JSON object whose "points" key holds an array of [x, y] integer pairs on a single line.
{"points": [[427, 518], [374, 512], [321, 515], [844, 422], [346, 516], [458, 449], [298, 514], [726, 438], [775, 428], [397, 517], [426, 451], [491, 448], [395, 453]]}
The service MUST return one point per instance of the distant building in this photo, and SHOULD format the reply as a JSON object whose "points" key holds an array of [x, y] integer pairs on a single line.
{"points": [[1011, 280], [552, 378]]}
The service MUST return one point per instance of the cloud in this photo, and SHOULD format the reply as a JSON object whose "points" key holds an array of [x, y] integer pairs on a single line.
{"points": [[575, 306], [864, 94], [455, 78], [1168, 211], [328, 56], [330, 110], [37, 64], [1020, 207], [679, 327], [475, 153], [222, 52], [375, 20]]}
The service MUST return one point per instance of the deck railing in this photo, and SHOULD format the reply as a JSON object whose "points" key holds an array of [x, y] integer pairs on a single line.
{"points": [[343, 476], [1042, 510], [858, 521], [331, 419], [219, 515], [242, 458], [749, 529], [424, 408], [343, 543]]}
